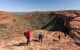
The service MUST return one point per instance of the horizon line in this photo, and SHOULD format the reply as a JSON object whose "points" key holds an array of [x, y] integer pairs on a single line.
{"points": [[38, 10]]}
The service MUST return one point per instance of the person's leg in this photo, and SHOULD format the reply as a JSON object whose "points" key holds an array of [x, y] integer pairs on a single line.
{"points": [[41, 39], [28, 41]]}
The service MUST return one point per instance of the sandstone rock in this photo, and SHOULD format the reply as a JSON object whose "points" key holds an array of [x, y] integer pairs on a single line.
{"points": [[75, 24], [76, 19]]}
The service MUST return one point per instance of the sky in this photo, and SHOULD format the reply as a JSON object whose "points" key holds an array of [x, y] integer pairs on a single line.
{"points": [[38, 5]]}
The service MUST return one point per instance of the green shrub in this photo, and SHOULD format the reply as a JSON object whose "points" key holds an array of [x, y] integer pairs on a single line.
{"points": [[3, 26]]}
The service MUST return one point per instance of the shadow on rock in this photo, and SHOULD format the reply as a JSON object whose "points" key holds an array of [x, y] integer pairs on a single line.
{"points": [[20, 44], [35, 40]]}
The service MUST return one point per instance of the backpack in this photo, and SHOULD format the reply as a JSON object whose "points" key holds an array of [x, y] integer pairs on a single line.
{"points": [[41, 35], [25, 34]]}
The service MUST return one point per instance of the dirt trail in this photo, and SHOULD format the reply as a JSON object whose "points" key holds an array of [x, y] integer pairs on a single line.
{"points": [[19, 42]]}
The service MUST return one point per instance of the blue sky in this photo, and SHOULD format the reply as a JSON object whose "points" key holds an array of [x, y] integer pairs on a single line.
{"points": [[38, 5]]}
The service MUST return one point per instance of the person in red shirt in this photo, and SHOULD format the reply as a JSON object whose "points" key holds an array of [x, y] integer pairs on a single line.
{"points": [[27, 35]]}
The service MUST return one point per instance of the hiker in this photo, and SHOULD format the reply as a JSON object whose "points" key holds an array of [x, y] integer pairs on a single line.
{"points": [[40, 36], [27, 35]]}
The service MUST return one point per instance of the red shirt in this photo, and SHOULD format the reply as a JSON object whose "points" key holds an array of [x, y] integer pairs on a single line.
{"points": [[28, 34]]}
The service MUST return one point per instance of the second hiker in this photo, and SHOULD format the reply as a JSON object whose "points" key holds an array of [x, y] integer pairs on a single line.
{"points": [[40, 36]]}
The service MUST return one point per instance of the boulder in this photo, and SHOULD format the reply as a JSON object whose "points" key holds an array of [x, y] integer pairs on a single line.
{"points": [[75, 24]]}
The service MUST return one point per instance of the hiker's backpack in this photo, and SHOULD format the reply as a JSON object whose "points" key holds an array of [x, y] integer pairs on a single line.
{"points": [[41, 35], [25, 33]]}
